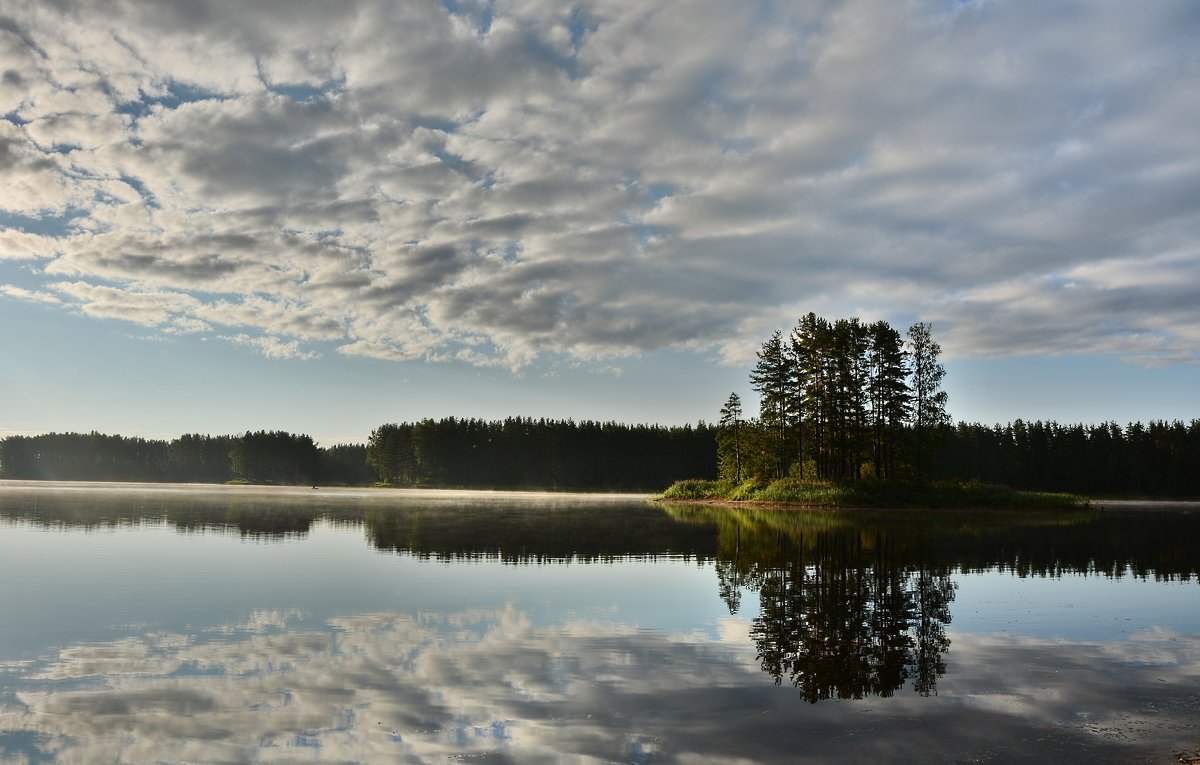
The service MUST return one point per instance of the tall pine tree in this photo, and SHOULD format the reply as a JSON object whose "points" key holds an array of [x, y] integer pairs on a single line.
{"points": [[888, 396], [772, 377], [730, 439], [929, 400]]}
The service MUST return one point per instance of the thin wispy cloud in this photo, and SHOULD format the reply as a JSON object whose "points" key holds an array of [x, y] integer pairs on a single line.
{"points": [[498, 182]]}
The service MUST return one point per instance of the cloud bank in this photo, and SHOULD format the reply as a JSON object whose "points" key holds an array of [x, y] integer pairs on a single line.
{"points": [[495, 182]]}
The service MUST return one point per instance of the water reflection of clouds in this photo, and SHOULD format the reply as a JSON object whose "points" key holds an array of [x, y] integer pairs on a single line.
{"points": [[491, 684], [262, 620], [1139, 691], [379, 686]]}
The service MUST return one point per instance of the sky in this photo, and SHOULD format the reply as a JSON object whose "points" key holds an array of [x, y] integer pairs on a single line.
{"points": [[320, 217]]}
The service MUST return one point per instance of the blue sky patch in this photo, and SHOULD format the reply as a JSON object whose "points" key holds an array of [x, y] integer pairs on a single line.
{"points": [[178, 94], [56, 225]]}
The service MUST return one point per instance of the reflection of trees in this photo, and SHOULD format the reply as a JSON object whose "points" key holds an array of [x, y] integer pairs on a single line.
{"points": [[840, 615], [855, 603], [1143, 541], [254, 517], [513, 529], [934, 594], [533, 532]]}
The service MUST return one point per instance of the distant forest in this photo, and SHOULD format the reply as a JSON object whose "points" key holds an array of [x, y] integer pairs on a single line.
{"points": [[469, 453], [1159, 459], [550, 454], [269, 457]]}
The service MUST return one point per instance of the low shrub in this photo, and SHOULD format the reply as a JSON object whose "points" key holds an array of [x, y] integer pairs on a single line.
{"points": [[872, 493], [695, 488], [802, 490], [747, 489]]}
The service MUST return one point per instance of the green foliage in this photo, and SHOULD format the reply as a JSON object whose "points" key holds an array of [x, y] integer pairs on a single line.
{"points": [[275, 457], [84, 457], [731, 439], [833, 398], [195, 458], [695, 488], [872, 493], [800, 490], [889, 399], [345, 465], [747, 489], [928, 415], [548, 454], [390, 454], [773, 377], [1156, 459], [513, 453]]}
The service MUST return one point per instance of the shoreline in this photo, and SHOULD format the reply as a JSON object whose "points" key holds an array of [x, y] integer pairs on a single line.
{"points": [[799, 493]]}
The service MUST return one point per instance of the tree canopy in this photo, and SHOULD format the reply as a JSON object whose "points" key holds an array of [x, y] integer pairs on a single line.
{"points": [[521, 452], [840, 399]]}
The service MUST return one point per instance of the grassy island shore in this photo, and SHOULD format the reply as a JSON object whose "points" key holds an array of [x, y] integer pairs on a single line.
{"points": [[869, 493]]}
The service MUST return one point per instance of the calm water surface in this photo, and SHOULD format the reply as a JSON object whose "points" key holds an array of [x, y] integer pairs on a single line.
{"points": [[237, 624]]}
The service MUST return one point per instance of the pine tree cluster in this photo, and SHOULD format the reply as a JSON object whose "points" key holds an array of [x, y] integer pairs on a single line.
{"points": [[838, 400]]}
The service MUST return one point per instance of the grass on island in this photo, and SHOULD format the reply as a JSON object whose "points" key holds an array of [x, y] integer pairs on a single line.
{"points": [[870, 493]]}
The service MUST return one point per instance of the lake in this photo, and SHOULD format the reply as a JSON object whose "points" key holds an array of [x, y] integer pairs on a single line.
{"points": [[207, 624]]}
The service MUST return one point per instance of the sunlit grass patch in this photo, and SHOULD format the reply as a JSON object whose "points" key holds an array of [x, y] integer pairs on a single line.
{"points": [[871, 493]]}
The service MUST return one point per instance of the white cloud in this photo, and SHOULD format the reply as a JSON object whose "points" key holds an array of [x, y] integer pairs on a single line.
{"points": [[273, 347], [496, 183], [147, 308], [20, 293]]}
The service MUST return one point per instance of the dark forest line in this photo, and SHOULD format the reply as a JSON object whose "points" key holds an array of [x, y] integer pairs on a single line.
{"points": [[451, 452], [267, 457], [547, 454], [1158, 459]]}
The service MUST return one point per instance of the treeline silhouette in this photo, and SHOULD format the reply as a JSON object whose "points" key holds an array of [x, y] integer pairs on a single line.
{"points": [[268, 457], [551, 454], [1161, 459], [470, 453]]}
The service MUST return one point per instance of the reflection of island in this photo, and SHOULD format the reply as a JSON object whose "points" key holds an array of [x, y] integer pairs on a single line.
{"points": [[843, 614], [854, 604], [850, 632]]}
